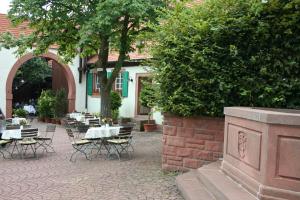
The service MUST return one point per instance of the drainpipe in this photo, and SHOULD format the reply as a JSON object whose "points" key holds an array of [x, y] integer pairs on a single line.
{"points": [[86, 89]]}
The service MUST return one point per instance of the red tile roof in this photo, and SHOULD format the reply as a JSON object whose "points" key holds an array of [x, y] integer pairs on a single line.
{"points": [[6, 26], [114, 57]]}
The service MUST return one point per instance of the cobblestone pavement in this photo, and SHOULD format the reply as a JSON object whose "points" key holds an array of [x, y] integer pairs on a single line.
{"points": [[53, 176]]}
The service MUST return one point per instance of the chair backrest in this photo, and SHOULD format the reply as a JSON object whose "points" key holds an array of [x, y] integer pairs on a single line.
{"points": [[82, 128], [94, 121], [12, 126], [29, 132], [125, 130], [8, 121], [71, 135]]}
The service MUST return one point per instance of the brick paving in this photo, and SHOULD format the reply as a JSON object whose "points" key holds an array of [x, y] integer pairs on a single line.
{"points": [[53, 176]]}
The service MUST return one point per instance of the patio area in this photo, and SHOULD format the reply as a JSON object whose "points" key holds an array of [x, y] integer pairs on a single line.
{"points": [[53, 176]]}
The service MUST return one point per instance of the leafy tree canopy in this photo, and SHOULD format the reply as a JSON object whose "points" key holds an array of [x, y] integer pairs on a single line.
{"points": [[33, 71], [85, 27]]}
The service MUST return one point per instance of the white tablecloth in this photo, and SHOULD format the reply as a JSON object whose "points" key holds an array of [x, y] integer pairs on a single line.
{"points": [[80, 118], [102, 132], [29, 109], [11, 134], [74, 115], [17, 120]]}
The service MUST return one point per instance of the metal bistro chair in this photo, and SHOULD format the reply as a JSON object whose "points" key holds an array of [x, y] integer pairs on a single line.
{"points": [[46, 140], [28, 140], [122, 142], [79, 145], [4, 145], [12, 126], [94, 123]]}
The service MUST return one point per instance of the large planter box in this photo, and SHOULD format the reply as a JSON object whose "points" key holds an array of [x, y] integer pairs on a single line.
{"points": [[189, 143], [262, 151]]}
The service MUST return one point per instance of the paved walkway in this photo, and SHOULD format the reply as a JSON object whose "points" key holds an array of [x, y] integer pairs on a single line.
{"points": [[53, 177]]}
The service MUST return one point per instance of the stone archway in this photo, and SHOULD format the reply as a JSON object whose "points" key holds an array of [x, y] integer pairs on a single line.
{"points": [[67, 72]]}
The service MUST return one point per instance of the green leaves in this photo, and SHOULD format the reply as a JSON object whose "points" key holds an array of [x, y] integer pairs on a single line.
{"points": [[228, 53]]}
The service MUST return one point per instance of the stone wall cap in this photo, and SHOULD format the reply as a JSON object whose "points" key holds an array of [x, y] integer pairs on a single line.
{"points": [[266, 115]]}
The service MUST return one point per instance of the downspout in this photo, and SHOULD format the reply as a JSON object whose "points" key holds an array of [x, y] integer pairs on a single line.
{"points": [[86, 89]]}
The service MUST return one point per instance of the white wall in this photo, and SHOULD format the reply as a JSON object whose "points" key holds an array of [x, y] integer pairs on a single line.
{"points": [[7, 60], [128, 103]]}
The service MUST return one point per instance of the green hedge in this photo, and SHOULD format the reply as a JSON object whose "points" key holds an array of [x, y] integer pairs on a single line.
{"points": [[228, 53]]}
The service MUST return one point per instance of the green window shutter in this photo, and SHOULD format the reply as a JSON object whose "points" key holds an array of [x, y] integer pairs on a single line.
{"points": [[108, 74], [89, 83], [125, 75]]}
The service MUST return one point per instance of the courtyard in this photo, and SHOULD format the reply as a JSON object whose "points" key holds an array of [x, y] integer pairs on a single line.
{"points": [[53, 176]]}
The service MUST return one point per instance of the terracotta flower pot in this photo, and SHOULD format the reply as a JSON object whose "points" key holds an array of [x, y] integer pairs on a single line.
{"points": [[47, 120], [150, 127], [57, 121]]}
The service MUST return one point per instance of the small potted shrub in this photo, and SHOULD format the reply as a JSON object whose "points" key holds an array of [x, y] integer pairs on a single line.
{"points": [[60, 105], [46, 105], [148, 99], [20, 113], [116, 103]]}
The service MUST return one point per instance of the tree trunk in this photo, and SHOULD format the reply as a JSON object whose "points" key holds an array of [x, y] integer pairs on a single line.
{"points": [[105, 104]]}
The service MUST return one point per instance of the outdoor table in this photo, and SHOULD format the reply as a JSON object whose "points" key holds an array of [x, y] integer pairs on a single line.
{"points": [[74, 115], [101, 134], [30, 109], [79, 118], [14, 135], [17, 120], [11, 134]]}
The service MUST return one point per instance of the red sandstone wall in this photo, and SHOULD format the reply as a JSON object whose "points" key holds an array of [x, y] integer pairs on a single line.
{"points": [[188, 143]]}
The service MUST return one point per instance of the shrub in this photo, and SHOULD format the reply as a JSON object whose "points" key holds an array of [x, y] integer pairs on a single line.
{"points": [[20, 112], [46, 103], [60, 103], [116, 103], [228, 53], [116, 100]]}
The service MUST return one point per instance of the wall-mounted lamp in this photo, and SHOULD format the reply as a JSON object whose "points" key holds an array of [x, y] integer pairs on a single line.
{"points": [[130, 79]]}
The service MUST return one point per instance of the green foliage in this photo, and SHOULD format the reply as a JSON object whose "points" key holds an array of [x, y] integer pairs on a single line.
{"points": [[34, 71], [228, 53], [116, 100], [20, 113], [115, 115], [148, 95], [60, 104], [46, 104]]}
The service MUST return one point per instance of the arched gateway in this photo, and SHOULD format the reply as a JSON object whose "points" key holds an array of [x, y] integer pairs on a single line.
{"points": [[49, 56]]}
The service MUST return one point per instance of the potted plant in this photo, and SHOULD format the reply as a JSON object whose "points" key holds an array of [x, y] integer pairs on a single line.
{"points": [[20, 112], [148, 99], [60, 105], [46, 105], [116, 103]]}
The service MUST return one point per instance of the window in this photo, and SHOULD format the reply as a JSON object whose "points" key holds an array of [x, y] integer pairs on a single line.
{"points": [[97, 83], [120, 85], [119, 82]]}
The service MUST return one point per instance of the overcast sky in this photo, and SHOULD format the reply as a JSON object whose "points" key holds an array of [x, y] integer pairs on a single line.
{"points": [[4, 5]]}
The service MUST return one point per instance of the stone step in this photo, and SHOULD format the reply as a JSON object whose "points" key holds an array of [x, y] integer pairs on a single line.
{"points": [[210, 183], [191, 188]]}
